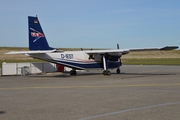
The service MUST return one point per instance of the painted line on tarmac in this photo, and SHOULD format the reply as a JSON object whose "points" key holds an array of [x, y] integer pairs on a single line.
{"points": [[129, 110], [107, 86]]}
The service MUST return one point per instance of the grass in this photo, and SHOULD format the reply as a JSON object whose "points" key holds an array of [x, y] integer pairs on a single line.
{"points": [[13, 48], [151, 61], [17, 61]]}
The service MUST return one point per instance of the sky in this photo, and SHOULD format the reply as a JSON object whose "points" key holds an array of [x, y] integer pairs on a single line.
{"points": [[93, 23]]}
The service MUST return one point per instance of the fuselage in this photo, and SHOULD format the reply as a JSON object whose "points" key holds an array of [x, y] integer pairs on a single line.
{"points": [[78, 59]]}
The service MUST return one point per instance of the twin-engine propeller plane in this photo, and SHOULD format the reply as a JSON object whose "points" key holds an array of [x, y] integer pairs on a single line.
{"points": [[77, 60]]}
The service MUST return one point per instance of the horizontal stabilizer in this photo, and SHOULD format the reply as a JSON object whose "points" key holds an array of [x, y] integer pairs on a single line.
{"points": [[31, 52]]}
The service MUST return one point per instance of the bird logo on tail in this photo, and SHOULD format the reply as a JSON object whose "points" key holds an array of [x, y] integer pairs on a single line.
{"points": [[36, 34]]}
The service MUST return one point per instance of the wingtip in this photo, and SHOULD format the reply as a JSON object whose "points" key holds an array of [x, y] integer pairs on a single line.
{"points": [[169, 48]]}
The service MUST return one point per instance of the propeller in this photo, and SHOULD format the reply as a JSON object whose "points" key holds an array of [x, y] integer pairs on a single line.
{"points": [[119, 59], [117, 46]]}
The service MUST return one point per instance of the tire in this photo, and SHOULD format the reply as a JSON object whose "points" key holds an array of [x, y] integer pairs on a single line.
{"points": [[106, 72], [73, 72], [118, 71]]}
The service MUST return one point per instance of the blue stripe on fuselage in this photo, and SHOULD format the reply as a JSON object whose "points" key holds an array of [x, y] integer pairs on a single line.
{"points": [[86, 65]]}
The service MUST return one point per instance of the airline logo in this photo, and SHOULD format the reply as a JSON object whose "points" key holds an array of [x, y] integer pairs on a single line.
{"points": [[36, 34]]}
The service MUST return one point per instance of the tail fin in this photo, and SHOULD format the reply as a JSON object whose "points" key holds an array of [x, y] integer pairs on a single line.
{"points": [[37, 39]]}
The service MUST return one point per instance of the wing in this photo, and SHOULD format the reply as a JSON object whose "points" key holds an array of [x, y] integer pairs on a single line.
{"points": [[118, 52], [115, 52], [155, 49]]}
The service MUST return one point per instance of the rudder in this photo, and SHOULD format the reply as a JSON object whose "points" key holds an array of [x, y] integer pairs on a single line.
{"points": [[37, 39]]}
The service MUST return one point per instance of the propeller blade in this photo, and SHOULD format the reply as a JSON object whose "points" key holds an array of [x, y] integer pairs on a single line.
{"points": [[117, 46]]}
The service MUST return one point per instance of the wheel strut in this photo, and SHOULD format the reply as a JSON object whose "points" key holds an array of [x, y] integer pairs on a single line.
{"points": [[105, 65]]}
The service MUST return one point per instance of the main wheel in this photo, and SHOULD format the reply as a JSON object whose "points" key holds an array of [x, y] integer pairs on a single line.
{"points": [[106, 72], [118, 71], [73, 72]]}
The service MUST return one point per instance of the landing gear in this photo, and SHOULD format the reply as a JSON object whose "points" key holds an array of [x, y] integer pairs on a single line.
{"points": [[73, 72], [106, 72], [105, 60], [118, 71], [105, 66]]}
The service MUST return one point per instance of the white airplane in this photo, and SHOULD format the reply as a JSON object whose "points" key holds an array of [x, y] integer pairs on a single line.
{"points": [[77, 60]]}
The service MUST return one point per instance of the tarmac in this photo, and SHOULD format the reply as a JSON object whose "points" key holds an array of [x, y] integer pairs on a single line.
{"points": [[140, 92]]}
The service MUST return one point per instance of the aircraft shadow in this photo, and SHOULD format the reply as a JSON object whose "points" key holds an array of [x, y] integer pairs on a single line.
{"points": [[147, 74], [138, 75], [78, 74], [127, 75]]}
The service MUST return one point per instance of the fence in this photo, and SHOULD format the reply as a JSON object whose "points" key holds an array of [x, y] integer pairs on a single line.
{"points": [[27, 68]]}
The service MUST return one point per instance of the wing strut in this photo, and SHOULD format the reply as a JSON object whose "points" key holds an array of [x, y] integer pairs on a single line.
{"points": [[105, 66]]}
